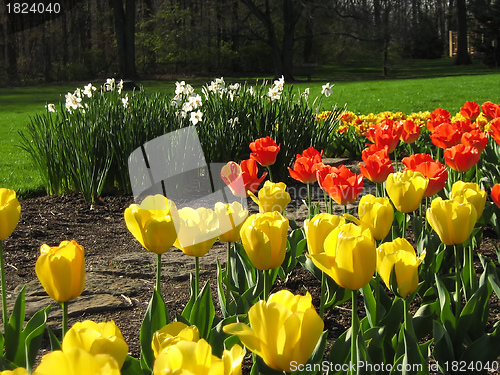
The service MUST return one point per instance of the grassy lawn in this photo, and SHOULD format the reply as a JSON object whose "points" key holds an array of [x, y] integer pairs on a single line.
{"points": [[413, 86]]}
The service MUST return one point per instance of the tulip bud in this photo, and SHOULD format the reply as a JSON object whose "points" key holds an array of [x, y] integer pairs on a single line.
{"points": [[97, 338], [154, 223], [61, 270], [400, 256], [452, 220], [272, 197], [318, 228], [406, 189], [376, 214], [264, 238], [10, 211], [231, 217], [349, 257], [284, 330]]}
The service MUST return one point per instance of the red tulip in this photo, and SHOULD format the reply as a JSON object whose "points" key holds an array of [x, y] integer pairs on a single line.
{"points": [[385, 133], [495, 130], [312, 153], [410, 132], [305, 166], [438, 116], [241, 178], [435, 171], [475, 138], [264, 151], [461, 158], [491, 110], [495, 194], [383, 152], [376, 168], [445, 135], [470, 110], [322, 170], [465, 126], [343, 186]]}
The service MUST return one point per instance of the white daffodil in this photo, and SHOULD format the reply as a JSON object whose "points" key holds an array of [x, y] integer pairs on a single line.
{"points": [[120, 86], [50, 107], [87, 90], [327, 89], [196, 117], [125, 101], [274, 93]]}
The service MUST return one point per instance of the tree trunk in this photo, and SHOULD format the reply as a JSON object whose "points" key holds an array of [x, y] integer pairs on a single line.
{"points": [[462, 53], [125, 37]]}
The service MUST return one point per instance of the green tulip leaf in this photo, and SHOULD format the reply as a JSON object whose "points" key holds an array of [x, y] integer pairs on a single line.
{"points": [[370, 304], [472, 318], [155, 318], [14, 327], [375, 344], [485, 349], [392, 320], [132, 366], [6, 365], [203, 312], [218, 338], [443, 347], [220, 290], [31, 339], [340, 351], [413, 362], [423, 318], [55, 344], [186, 312], [446, 315]]}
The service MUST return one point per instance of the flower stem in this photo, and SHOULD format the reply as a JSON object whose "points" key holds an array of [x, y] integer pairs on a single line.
{"points": [[309, 208], [354, 329], [322, 296], [458, 286], [4, 291], [64, 306], [158, 272], [196, 276], [270, 173], [228, 272], [403, 232], [267, 283]]}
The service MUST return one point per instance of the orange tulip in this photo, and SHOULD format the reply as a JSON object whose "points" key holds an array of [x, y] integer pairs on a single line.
{"points": [[461, 158], [305, 166], [343, 186], [470, 110], [385, 133], [376, 169], [445, 135], [264, 151], [491, 110], [495, 130], [411, 131], [475, 138], [242, 178], [495, 194], [435, 171], [383, 152], [438, 116]]}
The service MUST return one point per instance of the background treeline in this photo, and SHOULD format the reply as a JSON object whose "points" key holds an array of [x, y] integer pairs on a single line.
{"points": [[95, 39]]}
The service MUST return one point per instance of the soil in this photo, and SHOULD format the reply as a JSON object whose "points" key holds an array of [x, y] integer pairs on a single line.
{"points": [[101, 230]]}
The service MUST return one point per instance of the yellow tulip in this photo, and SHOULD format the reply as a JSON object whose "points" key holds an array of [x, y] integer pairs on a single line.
{"points": [[472, 193], [198, 231], [318, 228], [452, 220], [400, 256], [231, 218], [153, 223], [17, 371], [406, 189], [349, 257], [272, 197], [171, 334], [188, 357], [97, 338], [10, 211], [61, 270], [376, 213], [264, 238], [284, 330], [76, 361]]}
